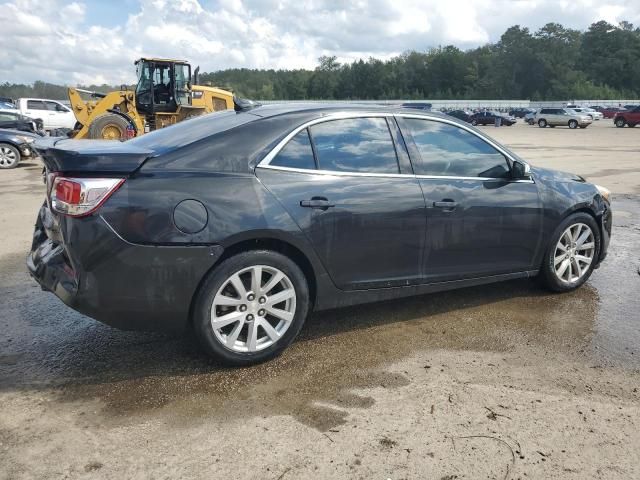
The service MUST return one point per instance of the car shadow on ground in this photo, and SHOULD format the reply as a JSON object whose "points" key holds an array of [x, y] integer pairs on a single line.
{"points": [[45, 344]]}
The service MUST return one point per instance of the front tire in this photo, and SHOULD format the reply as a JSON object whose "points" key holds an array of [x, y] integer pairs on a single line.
{"points": [[572, 253], [251, 307], [474, 123], [573, 124], [9, 156], [109, 127], [620, 123], [542, 123]]}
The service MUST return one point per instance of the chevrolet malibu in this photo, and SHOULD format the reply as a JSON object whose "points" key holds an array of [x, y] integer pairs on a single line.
{"points": [[238, 224]]}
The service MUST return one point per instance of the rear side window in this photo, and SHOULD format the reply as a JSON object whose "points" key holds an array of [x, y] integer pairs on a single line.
{"points": [[297, 153], [361, 145], [36, 105], [447, 150]]}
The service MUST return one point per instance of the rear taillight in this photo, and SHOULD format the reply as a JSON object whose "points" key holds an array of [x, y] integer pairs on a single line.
{"points": [[78, 197]]}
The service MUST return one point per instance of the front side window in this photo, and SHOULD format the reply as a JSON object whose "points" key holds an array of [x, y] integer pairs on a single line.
{"points": [[55, 107], [447, 150], [297, 153], [361, 145]]}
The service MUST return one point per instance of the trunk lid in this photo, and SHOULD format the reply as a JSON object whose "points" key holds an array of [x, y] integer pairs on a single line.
{"points": [[90, 156]]}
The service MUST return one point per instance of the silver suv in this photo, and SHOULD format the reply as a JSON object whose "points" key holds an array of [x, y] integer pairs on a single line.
{"points": [[562, 116]]}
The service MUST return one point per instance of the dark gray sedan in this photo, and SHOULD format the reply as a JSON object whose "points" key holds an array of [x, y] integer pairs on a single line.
{"points": [[14, 146], [238, 224]]}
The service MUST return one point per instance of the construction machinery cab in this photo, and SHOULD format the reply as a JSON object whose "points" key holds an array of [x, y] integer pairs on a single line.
{"points": [[162, 86], [163, 96]]}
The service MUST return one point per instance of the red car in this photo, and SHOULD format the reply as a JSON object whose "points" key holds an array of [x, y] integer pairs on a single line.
{"points": [[610, 112], [627, 117]]}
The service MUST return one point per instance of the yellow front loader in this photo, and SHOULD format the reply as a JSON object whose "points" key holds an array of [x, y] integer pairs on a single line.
{"points": [[163, 96]]}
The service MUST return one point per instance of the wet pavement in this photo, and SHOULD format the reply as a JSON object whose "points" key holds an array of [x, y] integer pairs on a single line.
{"points": [[46, 345]]}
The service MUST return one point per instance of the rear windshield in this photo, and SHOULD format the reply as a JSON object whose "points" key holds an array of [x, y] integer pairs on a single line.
{"points": [[192, 130]]}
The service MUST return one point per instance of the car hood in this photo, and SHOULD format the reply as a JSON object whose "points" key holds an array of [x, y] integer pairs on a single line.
{"points": [[555, 175]]}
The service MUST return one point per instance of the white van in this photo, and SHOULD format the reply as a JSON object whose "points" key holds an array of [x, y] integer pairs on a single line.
{"points": [[52, 113]]}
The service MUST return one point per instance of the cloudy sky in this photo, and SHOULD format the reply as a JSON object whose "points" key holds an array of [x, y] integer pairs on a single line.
{"points": [[96, 41]]}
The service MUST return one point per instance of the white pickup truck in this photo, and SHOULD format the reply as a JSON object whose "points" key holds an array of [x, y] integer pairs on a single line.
{"points": [[52, 113]]}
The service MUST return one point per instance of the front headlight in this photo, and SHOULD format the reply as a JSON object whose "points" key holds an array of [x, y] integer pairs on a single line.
{"points": [[26, 139], [604, 193]]}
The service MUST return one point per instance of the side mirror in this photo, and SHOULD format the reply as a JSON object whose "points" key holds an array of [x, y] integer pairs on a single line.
{"points": [[520, 170]]}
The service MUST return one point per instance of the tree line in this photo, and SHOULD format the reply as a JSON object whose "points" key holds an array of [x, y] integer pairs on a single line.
{"points": [[552, 63]]}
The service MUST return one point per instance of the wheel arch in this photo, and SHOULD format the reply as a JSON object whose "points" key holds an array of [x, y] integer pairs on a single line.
{"points": [[275, 244], [589, 210]]}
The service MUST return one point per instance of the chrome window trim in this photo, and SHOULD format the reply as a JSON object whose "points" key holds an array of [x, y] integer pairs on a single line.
{"points": [[389, 175], [266, 161]]}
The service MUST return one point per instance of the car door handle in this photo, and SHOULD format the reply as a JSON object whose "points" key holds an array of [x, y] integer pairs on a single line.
{"points": [[447, 204], [317, 202]]}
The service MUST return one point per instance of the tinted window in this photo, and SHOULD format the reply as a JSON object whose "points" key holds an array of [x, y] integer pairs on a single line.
{"points": [[355, 145], [297, 153], [447, 150], [36, 105]]}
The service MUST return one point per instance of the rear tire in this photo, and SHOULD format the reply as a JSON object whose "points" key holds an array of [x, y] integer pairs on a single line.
{"points": [[542, 123], [109, 127], [256, 331], [558, 265], [9, 156]]}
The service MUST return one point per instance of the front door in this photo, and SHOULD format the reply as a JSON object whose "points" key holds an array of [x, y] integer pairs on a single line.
{"points": [[364, 217], [480, 222]]}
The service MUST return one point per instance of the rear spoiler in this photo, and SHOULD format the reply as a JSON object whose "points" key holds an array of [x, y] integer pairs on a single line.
{"points": [[90, 156]]}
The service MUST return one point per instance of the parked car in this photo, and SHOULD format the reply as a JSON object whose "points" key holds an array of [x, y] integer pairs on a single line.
{"points": [[554, 117], [594, 114], [53, 113], [627, 117], [16, 121], [239, 224], [610, 112], [530, 118], [489, 118], [521, 112], [461, 115], [14, 147], [7, 101], [631, 107]]}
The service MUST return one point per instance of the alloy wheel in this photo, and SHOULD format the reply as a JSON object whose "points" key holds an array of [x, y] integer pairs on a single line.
{"points": [[253, 309], [8, 157], [574, 253]]}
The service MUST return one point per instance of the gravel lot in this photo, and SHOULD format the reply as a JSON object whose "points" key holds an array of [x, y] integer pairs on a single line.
{"points": [[500, 381]]}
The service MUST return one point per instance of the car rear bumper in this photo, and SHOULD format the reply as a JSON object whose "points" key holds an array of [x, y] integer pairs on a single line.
{"points": [[128, 286]]}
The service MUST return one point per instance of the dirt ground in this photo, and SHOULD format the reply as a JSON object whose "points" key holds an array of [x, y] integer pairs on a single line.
{"points": [[504, 381]]}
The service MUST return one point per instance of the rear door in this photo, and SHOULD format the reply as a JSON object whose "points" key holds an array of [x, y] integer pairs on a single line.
{"points": [[38, 109], [353, 194], [480, 222]]}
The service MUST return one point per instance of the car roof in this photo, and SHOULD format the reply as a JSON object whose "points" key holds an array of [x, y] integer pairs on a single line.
{"points": [[326, 108]]}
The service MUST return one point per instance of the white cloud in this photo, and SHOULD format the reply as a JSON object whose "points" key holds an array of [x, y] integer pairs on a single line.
{"points": [[52, 40]]}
